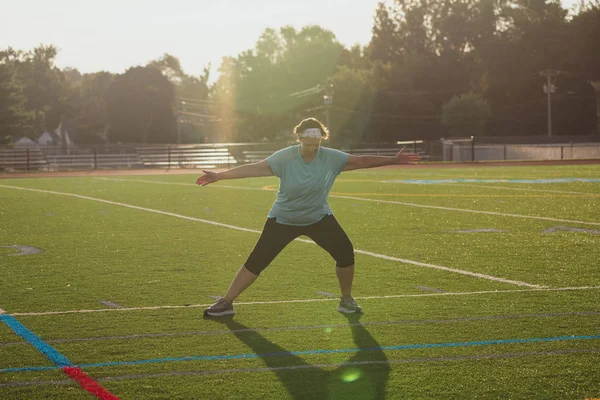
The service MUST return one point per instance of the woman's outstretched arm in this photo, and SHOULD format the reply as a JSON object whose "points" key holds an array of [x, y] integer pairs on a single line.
{"points": [[260, 168], [359, 162]]}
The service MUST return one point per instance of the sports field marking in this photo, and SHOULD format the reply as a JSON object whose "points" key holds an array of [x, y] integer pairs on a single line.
{"points": [[273, 188], [429, 289], [316, 327], [416, 205], [567, 228], [463, 180], [326, 294], [419, 346], [376, 255], [60, 362], [520, 189], [491, 196], [251, 303], [442, 268], [466, 210], [175, 183], [482, 230], [23, 250], [313, 366], [110, 304]]}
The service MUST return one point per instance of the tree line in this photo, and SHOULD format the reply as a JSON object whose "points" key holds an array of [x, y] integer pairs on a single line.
{"points": [[432, 69]]}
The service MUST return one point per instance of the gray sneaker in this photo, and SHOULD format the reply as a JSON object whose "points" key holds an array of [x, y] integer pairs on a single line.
{"points": [[348, 305], [220, 308]]}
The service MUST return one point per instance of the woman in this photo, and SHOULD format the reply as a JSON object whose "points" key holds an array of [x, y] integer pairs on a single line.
{"points": [[307, 172]]}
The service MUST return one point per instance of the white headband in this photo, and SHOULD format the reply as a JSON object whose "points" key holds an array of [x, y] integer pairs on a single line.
{"points": [[311, 133]]}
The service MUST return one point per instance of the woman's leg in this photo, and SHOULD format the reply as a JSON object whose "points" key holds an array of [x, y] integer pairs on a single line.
{"points": [[328, 234], [242, 280], [273, 239], [345, 277]]}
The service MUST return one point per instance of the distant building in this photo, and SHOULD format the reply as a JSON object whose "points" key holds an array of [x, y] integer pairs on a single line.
{"points": [[25, 142], [59, 136]]}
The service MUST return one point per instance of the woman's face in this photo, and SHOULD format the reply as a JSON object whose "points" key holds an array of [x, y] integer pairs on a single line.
{"points": [[309, 145]]}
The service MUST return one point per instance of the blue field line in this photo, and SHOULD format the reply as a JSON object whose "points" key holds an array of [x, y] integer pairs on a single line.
{"points": [[315, 352], [36, 341], [459, 180]]}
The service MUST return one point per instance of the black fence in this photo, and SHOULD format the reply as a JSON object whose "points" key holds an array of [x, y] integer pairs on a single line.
{"points": [[126, 156]]}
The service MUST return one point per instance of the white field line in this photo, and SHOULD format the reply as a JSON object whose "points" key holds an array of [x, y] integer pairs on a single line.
{"points": [[594, 314], [465, 210], [521, 189], [421, 360], [458, 271], [321, 299], [419, 264], [179, 184], [400, 203], [134, 207]]}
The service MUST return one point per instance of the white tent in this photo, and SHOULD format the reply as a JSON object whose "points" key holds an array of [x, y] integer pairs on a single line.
{"points": [[55, 138], [46, 139], [25, 142]]}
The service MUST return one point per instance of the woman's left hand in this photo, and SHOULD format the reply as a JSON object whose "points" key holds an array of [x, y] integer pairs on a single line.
{"points": [[406, 158], [208, 178]]}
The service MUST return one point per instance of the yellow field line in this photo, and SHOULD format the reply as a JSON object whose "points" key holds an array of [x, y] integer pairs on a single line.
{"points": [[273, 188], [467, 195]]}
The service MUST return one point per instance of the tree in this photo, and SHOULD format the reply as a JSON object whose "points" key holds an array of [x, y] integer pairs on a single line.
{"points": [[93, 117], [583, 56], [263, 91], [385, 44], [11, 102], [352, 100], [466, 115], [195, 87], [426, 52], [42, 84], [192, 108], [140, 106]]}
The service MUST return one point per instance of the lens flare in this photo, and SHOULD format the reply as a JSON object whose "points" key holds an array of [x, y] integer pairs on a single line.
{"points": [[351, 375]]}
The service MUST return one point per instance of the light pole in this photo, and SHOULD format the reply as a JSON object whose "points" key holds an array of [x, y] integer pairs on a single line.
{"points": [[596, 85], [178, 120], [328, 101], [549, 88]]}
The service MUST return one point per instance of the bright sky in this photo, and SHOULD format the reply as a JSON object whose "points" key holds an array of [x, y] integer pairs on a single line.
{"points": [[113, 35]]}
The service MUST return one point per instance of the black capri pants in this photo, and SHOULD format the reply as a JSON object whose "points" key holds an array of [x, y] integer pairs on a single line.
{"points": [[327, 233]]}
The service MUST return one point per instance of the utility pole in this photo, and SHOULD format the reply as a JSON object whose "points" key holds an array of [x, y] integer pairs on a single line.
{"points": [[549, 88], [177, 119], [326, 91], [596, 85], [328, 101]]}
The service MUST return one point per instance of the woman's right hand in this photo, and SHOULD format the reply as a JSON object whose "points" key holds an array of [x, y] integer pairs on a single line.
{"points": [[207, 178]]}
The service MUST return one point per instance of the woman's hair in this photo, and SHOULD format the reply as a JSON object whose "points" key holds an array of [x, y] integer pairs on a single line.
{"points": [[311, 123]]}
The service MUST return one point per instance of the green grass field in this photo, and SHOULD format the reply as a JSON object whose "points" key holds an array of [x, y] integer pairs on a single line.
{"points": [[470, 289]]}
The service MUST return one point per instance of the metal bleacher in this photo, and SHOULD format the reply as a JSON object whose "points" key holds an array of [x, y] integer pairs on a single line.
{"points": [[22, 159], [71, 162], [252, 156], [130, 156], [186, 156]]}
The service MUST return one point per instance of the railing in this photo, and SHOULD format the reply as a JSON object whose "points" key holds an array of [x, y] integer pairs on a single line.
{"points": [[22, 159], [185, 156], [471, 152], [226, 155]]}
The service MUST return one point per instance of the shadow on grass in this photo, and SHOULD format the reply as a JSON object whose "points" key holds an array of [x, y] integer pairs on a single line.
{"points": [[363, 376]]}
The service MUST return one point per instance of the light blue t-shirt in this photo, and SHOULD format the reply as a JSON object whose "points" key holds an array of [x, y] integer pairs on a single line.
{"points": [[304, 187]]}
